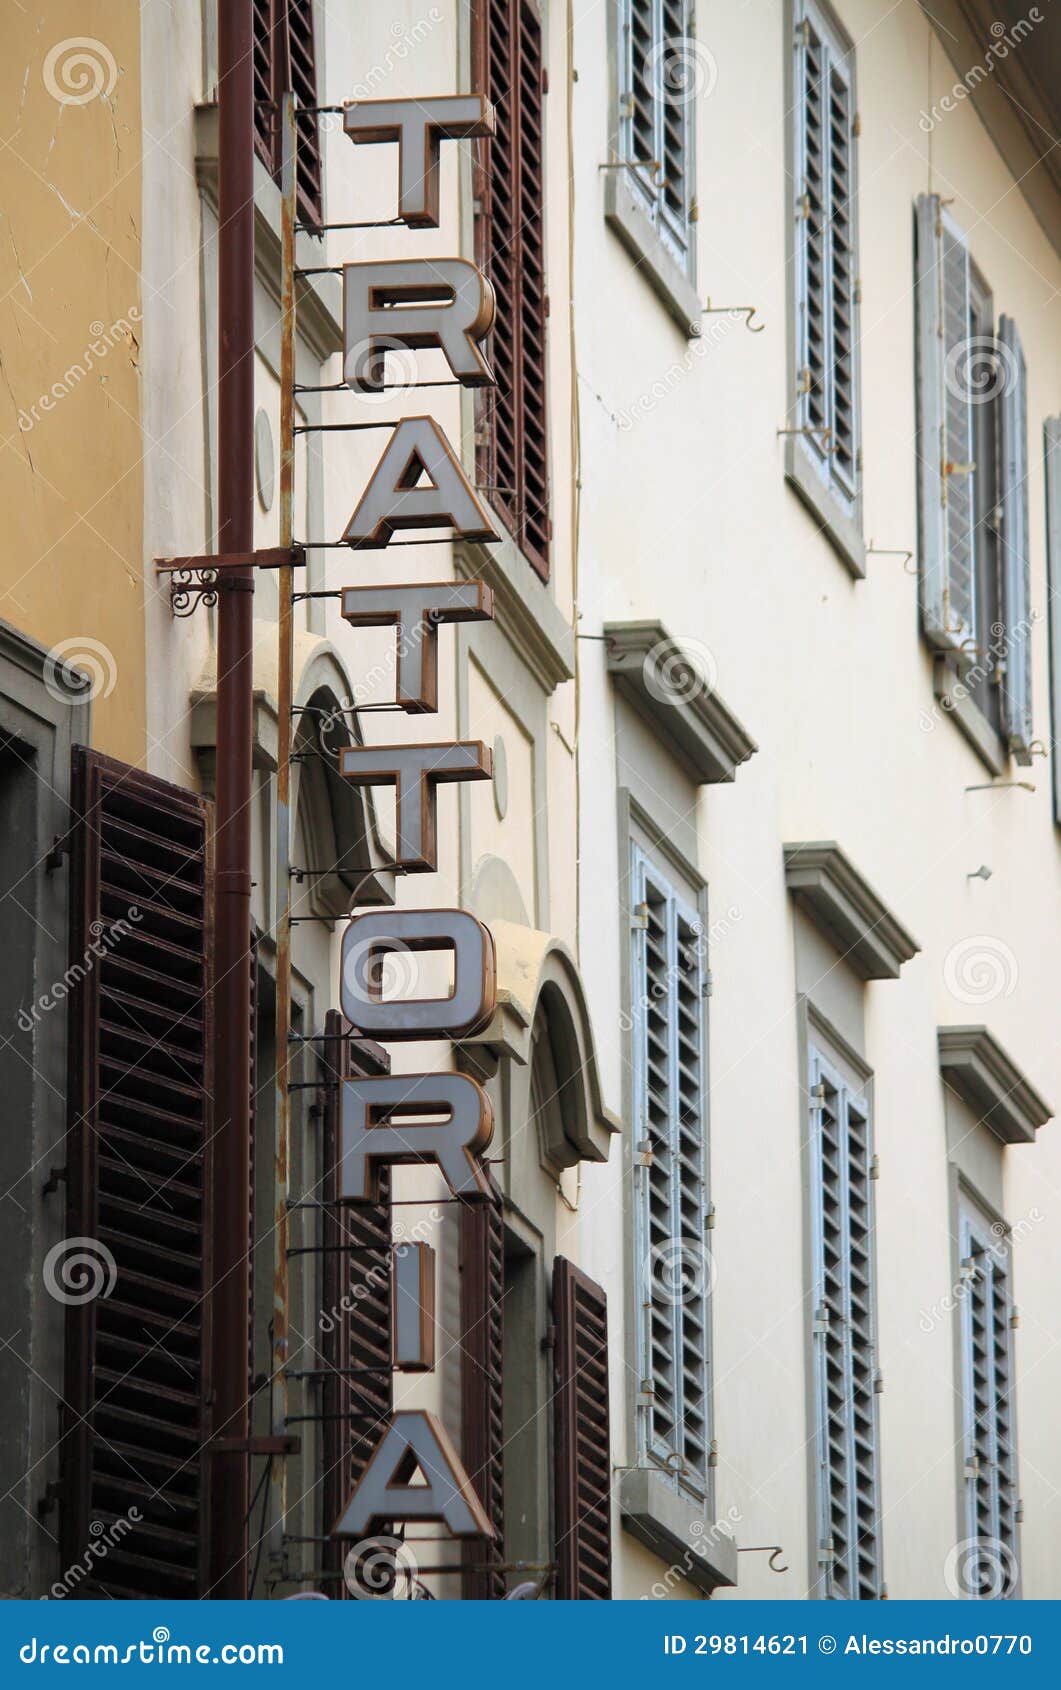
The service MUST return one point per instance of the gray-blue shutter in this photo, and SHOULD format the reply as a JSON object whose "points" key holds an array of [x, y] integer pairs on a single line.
{"points": [[1052, 447], [844, 1293], [944, 431], [826, 258], [989, 1420], [1016, 591], [670, 1178]]}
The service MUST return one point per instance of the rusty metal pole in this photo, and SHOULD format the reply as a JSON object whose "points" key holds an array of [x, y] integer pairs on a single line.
{"points": [[282, 877], [231, 1268]]}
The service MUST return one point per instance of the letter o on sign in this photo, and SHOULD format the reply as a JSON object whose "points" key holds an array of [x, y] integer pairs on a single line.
{"points": [[371, 937]]}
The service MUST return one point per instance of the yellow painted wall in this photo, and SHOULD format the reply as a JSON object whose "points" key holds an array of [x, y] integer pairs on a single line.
{"points": [[71, 480]]}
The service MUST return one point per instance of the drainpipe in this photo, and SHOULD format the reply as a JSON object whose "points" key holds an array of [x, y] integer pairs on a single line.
{"points": [[231, 1268]]}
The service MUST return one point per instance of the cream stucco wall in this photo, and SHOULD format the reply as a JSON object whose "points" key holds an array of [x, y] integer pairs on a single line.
{"points": [[686, 517]]}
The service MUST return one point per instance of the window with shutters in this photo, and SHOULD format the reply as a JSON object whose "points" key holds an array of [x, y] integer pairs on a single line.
{"points": [[659, 71], [285, 61], [825, 452], [972, 482], [672, 1257], [990, 1566], [512, 445], [844, 1337], [138, 1161]]}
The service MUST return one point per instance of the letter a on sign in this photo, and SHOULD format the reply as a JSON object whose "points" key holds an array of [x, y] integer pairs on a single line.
{"points": [[415, 1443], [417, 452]]}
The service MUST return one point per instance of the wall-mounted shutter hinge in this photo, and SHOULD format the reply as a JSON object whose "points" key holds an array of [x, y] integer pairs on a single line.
{"points": [[549, 1338], [712, 1459], [874, 1168], [710, 1218], [878, 1383], [639, 916], [856, 124], [694, 211], [707, 984], [1014, 1319], [545, 80]]}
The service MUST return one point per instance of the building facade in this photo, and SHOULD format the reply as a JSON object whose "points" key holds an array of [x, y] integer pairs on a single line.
{"points": [[769, 855]]}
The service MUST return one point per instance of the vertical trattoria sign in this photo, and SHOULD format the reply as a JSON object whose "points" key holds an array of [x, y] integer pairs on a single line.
{"points": [[414, 1473]]}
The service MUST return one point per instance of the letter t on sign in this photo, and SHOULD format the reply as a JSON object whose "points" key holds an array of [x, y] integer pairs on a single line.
{"points": [[415, 771], [419, 127], [415, 613]]}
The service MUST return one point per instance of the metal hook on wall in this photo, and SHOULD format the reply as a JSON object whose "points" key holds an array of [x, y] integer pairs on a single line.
{"points": [[773, 1549], [748, 312], [894, 551]]}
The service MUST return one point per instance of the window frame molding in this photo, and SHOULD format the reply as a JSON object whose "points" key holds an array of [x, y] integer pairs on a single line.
{"points": [[817, 1034], [653, 1508], [841, 527], [42, 710], [675, 285]]}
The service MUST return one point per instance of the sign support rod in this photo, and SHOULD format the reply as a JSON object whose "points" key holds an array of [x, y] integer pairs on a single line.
{"points": [[282, 875]]}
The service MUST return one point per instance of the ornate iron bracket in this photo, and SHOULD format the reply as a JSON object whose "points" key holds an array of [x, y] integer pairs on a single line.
{"points": [[189, 588], [198, 580]]}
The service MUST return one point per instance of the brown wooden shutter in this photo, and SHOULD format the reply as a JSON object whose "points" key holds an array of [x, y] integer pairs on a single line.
{"points": [[138, 1167], [482, 1258], [285, 60], [358, 1390], [581, 1440], [512, 460]]}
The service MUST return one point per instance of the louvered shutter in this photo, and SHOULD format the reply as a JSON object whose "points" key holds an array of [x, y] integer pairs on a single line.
{"points": [[302, 81], [844, 1339], [512, 456], [355, 1342], [944, 429], [1014, 541], [264, 25], [990, 1452], [670, 1180], [285, 61], [826, 260], [482, 1259], [1052, 447], [581, 1437], [138, 1162]]}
